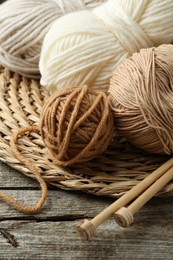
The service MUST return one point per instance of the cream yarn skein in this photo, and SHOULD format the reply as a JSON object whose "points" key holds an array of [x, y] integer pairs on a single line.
{"points": [[86, 46], [23, 25]]}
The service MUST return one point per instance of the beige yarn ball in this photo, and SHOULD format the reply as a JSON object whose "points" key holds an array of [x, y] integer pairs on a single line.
{"points": [[23, 26], [76, 125], [86, 46], [141, 97]]}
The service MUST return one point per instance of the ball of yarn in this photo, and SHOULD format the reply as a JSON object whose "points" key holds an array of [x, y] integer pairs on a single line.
{"points": [[76, 125], [23, 25], [85, 47], [141, 97]]}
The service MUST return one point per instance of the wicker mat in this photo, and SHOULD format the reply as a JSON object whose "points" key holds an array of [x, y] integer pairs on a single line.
{"points": [[113, 173]]}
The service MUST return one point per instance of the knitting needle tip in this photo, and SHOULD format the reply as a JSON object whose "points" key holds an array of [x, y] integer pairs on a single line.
{"points": [[124, 217], [86, 230]]}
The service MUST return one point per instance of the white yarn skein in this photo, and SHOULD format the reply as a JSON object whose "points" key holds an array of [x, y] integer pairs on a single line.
{"points": [[85, 47], [23, 26]]}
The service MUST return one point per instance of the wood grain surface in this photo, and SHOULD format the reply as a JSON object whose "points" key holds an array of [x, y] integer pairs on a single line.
{"points": [[51, 233]]}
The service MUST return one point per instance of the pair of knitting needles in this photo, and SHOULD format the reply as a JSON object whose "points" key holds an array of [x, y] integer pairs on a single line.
{"points": [[150, 186]]}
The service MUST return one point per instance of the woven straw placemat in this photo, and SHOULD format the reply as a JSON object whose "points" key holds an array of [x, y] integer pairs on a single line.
{"points": [[113, 173]]}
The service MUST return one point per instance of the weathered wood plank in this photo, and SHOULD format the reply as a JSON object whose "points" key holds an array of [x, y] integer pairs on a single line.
{"points": [[14, 179], [52, 235], [59, 204], [78, 205], [58, 240]]}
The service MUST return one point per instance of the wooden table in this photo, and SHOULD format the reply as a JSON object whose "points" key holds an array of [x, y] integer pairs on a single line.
{"points": [[51, 233]]}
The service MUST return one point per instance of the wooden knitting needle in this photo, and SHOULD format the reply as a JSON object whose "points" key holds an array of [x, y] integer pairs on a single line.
{"points": [[124, 216], [86, 229]]}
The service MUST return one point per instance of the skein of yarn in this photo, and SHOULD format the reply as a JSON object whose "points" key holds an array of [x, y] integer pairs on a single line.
{"points": [[76, 125], [141, 94], [86, 46], [23, 25]]}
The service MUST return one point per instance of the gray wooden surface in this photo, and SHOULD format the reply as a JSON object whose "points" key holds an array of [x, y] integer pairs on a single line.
{"points": [[51, 233]]}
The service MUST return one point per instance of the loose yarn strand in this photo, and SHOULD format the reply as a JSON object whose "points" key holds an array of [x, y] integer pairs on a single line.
{"points": [[76, 125], [17, 205]]}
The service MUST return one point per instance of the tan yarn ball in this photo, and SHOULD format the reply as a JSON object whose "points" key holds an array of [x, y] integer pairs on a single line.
{"points": [[76, 125], [141, 97]]}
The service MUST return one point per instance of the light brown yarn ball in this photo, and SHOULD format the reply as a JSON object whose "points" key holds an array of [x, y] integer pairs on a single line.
{"points": [[141, 96], [76, 125]]}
